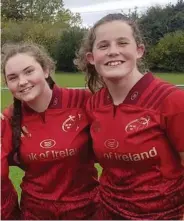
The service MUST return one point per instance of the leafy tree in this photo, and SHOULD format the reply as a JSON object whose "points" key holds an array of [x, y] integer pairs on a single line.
{"points": [[168, 54], [39, 11], [46, 34], [11, 10], [158, 21], [66, 48]]}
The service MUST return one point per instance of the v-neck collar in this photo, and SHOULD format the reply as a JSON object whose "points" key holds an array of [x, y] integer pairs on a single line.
{"points": [[135, 92], [54, 103]]}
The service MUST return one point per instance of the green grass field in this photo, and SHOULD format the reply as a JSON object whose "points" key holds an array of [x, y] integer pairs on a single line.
{"points": [[70, 80]]}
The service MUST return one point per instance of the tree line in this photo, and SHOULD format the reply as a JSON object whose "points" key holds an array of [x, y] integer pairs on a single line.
{"points": [[59, 30]]}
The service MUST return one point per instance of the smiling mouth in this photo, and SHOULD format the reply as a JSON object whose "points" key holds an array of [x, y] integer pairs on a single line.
{"points": [[26, 89], [114, 63]]}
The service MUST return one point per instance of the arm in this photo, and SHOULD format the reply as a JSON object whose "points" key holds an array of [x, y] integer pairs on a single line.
{"points": [[173, 121], [90, 118], [182, 158], [175, 131], [12, 157], [9, 197]]}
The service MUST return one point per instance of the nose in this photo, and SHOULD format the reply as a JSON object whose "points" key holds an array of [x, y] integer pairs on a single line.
{"points": [[113, 50], [22, 81]]}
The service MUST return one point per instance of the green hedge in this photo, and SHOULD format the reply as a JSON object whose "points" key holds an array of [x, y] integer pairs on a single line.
{"points": [[168, 53]]}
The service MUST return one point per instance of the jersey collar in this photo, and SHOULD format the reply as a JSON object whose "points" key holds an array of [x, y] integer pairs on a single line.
{"points": [[55, 102], [136, 91]]}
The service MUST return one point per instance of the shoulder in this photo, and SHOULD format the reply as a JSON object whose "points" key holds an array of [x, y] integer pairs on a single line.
{"points": [[158, 94], [6, 121], [98, 99], [74, 98], [8, 112], [161, 89], [174, 102]]}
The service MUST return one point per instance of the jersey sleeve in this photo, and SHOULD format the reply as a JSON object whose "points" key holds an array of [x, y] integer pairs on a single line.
{"points": [[88, 110], [9, 197], [89, 114], [12, 156], [172, 119]]}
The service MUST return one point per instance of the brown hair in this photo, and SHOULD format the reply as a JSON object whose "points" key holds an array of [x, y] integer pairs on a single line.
{"points": [[93, 80], [46, 62]]}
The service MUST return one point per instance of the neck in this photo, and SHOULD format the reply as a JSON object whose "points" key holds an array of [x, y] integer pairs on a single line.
{"points": [[119, 88], [41, 103]]}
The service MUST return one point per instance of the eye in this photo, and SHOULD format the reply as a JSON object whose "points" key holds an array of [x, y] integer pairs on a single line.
{"points": [[103, 46], [29, 71], [122, 43], [12, 78]]}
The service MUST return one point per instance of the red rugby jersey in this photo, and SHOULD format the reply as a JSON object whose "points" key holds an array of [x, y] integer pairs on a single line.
{"points": [[137, 144], [9, 197], [56, 150]]}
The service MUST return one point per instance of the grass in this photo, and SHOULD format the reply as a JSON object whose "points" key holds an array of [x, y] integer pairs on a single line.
{"points": [[71, 80], [174, 78]]}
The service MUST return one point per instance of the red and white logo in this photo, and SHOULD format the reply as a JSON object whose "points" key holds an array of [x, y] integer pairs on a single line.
{"points": [[55, 102], [137, 124], [48, 143], [134, 95], [71, 123], [111, 144]]}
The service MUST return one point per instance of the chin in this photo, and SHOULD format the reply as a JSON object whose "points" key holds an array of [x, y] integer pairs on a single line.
{"points": [[114, 76], [114, 79], [28, 99], [117, 74]]}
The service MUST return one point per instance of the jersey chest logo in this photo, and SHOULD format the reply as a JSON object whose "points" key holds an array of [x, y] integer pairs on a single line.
{"points": [[48, 143], [71, 123], [111, 144], [137, 124]]}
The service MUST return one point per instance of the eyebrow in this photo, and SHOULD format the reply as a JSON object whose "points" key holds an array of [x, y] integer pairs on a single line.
{"points": [[123, 38], [119, 39], [12, 74]]}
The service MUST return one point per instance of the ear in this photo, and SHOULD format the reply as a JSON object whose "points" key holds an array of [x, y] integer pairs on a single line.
{"points": [[46, 73], [140, 51], [90, 58]]}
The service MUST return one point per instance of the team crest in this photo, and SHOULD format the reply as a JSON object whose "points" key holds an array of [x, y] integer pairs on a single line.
{"points": [[71, 123], [137, 124]]}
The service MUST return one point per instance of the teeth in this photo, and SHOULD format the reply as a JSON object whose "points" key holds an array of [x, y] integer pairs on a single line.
{"points": [[25, 90], [114, 63]]}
